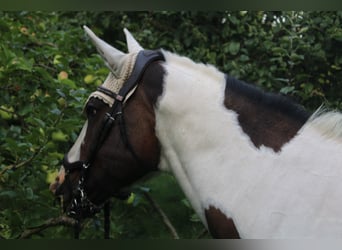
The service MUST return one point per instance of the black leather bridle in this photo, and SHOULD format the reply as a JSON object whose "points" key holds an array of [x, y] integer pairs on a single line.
{"points": [[81, 206]]}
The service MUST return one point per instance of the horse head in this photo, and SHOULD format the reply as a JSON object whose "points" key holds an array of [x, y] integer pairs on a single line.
{"points": [[117, 144]]}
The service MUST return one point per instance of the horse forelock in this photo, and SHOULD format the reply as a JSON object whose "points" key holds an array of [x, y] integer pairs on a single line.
{"points": [[113, 83]]}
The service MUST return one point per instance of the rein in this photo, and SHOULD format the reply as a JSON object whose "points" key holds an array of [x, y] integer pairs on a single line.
{"points": [[81, 206]]}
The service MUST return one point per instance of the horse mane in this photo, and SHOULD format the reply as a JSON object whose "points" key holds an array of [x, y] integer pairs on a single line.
{"points": [[328, 123], [255, 94], [207, 70], [267, 100]]}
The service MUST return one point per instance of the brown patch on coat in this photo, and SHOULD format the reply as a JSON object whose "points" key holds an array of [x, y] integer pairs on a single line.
{"points": [[268, 119], [219, 225]]}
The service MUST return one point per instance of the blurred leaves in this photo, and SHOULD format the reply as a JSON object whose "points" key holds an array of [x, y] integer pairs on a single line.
{"points": [[31, 113], [295, 53]]}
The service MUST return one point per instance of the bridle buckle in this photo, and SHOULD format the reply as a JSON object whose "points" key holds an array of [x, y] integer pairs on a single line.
{"points": [[85, 165], [109, 116]]}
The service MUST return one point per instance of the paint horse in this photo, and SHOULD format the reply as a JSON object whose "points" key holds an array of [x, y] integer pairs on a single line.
{"points": [[252, 164]]}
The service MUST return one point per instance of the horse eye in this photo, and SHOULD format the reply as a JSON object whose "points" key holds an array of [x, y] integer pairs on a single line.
{"points": [[91, 111]]}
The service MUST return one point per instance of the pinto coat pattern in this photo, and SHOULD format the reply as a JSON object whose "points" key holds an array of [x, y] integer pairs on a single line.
{"points": [[253, 165]]}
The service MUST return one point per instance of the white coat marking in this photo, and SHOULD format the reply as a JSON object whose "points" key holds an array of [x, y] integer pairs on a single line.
{"points": [[75, 151]]}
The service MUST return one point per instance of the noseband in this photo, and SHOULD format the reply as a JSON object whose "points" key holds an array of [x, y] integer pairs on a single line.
{"points": [[81, 206]]}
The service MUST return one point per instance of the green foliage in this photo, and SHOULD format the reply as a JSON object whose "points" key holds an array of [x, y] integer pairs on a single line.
{"points": [[295, 53], [48, 68], [30, 90]]}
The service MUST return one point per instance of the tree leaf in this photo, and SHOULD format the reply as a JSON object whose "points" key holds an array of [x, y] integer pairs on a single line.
{"points": [[234, 48]]}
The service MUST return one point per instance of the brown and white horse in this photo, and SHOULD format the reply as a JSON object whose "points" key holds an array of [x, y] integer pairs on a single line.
{"points": [[252, 164]]}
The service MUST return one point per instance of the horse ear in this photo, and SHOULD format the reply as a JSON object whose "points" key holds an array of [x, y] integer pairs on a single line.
{"points": [[132, 44], [113, 57]]}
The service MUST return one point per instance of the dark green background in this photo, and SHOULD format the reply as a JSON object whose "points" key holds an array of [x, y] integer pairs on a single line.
{"points": [[297, 54]]}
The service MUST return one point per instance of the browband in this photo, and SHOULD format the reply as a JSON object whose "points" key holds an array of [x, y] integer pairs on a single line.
{"points": [[144, 58]]}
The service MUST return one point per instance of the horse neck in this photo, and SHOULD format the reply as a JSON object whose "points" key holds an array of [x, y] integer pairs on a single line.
{"points": [[197, 133], [201, 123], [204, 143]]}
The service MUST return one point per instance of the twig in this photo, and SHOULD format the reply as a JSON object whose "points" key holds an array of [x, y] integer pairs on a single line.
{"points": [[62, 220], [46, 67], [20, 164], [166, 220], [35, 154], [203, 233], [6, 110]]}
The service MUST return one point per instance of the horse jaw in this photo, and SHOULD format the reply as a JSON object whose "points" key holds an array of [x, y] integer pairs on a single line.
{"points": [[132, 44], [114, 58]]}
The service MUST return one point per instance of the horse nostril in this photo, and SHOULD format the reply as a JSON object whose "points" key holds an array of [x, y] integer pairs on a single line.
{"points": [[54, 186]]}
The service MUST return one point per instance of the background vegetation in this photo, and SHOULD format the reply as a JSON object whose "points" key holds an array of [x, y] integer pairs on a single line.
{"points": [[48, 68]]}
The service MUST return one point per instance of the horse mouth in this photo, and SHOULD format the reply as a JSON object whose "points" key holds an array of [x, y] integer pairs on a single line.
{"points": [[79, 204], [75, 207], [72, 200], [62, 199], [64, 196], [64, 205]]}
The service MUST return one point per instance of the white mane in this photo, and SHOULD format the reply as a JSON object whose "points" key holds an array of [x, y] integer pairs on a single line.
{"points": [[328, 123], [192, 68]]}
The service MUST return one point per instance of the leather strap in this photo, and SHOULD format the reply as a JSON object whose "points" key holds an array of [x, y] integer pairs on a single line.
{"points": [[144, 58]]}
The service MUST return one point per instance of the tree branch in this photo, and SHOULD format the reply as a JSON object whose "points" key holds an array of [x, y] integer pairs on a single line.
{"points": [[6, 110], [203, 233], [59, 221], [35, 154], [165, 219], [20, 164]]}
